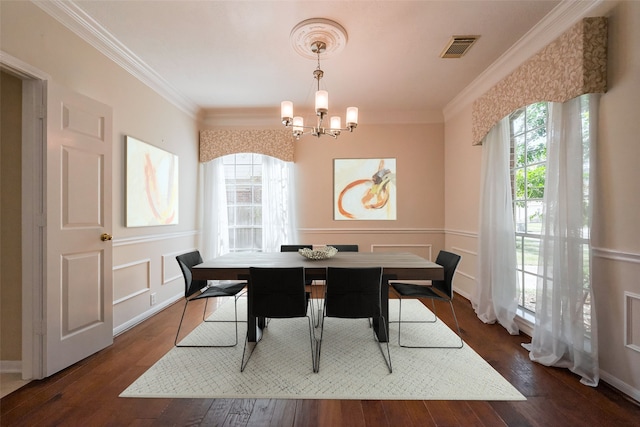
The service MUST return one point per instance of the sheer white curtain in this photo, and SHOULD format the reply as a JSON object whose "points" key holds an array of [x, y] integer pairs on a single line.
{"points": [[215, 223], [496, 296], [278, 204], [565, 333]]}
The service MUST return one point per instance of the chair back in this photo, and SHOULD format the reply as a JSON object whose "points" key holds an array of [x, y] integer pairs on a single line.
{"points": [[346, 248], [449, 261], [353, 292], [277, 292], [294, 248], [186, 261]]}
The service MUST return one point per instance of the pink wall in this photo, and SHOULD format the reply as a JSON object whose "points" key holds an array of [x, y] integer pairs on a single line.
{"points": [[419, 154]]}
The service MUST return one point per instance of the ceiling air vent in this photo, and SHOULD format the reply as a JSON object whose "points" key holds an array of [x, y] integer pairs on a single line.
{"points": [[458, 46]]}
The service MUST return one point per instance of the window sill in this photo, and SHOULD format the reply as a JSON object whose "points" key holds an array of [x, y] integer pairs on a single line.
{"points": [[525, 321]]}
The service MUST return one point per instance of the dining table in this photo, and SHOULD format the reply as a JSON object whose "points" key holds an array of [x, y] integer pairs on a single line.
{"points": [[395, 266]]}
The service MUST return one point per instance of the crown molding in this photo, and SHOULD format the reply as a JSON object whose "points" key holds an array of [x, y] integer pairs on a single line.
{"points": [[561, 18], [69, 14]]}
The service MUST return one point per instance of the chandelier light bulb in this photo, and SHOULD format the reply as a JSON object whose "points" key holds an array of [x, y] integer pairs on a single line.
{"points": [[336, 122], [298, 123], [286, 110], [322, 102], [352, 116]]}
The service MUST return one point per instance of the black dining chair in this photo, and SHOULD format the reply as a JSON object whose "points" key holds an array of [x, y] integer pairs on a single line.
{"points": [[354, 293], [308, 281], [278, 293], [346, 248], [440, 290], [201, 289]]}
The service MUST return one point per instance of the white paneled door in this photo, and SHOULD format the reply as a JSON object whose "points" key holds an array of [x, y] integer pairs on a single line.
{"points": [[78, 290]]}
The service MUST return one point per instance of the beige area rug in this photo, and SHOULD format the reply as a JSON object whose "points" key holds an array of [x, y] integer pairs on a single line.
{"points": [[351, 366]]}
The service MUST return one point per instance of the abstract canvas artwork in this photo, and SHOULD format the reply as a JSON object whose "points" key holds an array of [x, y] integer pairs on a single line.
{"points": [[152, 185], [364, 189]]}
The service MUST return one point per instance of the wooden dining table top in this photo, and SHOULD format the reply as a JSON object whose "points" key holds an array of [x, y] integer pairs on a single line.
{"points": [[402, 265]]}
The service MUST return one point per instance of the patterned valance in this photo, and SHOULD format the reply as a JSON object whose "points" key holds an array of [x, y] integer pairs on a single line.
{"points": [[572, 65], [271, 142]]}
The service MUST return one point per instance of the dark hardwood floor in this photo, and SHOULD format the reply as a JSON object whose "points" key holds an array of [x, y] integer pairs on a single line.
{"points": [[86, 394]]}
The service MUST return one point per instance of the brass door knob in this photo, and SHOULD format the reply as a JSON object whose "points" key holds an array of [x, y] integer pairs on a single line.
{"points": [[106, 237]]}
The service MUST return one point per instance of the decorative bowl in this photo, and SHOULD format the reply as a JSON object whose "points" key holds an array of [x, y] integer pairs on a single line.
{"points": [[317, 254]]}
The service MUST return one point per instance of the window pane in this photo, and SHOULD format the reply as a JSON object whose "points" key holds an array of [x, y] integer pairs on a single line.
{"points": [[534, 217], [243, 195], [529, 291], [519, 183], [231, 195], [243, 172], [537, 147], [244, 215], [244, 158], [243, 238], [536, 116], [530, 254], [257, 216], [257, 239], [519, 144], [520, 216], [519, 252], [535, 181], [231, 213], [517, 122]]}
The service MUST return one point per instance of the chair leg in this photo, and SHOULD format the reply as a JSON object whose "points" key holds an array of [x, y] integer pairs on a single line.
{"points": [[235, 310], [175, 342], [386, 358], [400, 322], [243, 363], [457, 325], [319, 341], [312, 341]]}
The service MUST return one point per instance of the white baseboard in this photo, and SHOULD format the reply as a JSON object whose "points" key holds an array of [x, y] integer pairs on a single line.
{"points": [[620, 385], [147, 314], [11, 366]]}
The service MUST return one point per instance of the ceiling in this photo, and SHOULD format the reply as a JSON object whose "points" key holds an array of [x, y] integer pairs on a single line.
{"points": [[226, 57]]}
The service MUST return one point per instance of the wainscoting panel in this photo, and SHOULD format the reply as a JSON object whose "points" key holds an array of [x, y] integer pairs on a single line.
{"points": [[632, 321], [131, 280], [424, 251], [147, 277], [170, 268]]}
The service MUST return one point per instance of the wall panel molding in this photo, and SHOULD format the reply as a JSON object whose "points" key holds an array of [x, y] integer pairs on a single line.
{"points": [[632, 321], [147, 314], [140, 272], [152, 238], [616, 255], [422, 248], [462, 233], [377, 230], [170, 268]]}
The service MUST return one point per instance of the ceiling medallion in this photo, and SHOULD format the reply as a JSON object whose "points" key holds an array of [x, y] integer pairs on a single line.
{"points": [[332, 34]]}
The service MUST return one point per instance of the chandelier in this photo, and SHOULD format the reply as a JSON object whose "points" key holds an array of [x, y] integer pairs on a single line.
{"points": [[320, 36]]}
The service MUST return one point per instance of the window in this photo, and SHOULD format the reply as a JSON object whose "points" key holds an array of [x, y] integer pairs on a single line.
{"points": [[528, 175], [243, 181], [528, 168]]}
